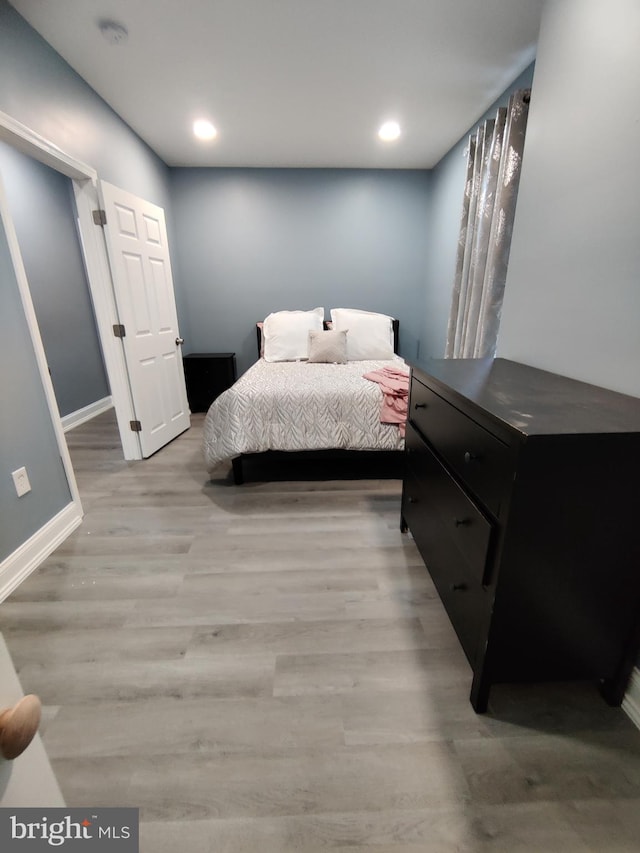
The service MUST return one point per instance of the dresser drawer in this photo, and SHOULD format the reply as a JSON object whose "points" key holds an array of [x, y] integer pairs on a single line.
{"points": [[480, 459], [457, 516], [455, 553]]}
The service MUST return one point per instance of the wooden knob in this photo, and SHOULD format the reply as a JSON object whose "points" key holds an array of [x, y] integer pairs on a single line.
{"points": [[18, 726]]}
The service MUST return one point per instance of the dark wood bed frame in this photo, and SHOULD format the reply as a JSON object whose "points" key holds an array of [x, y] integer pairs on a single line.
{"points": [[334, 464]]}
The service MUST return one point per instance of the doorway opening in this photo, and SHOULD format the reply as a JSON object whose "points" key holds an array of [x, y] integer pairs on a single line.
{"points": [[85, 190], [52, 256]]}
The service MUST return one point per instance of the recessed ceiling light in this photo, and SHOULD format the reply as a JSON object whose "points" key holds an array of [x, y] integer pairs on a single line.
{"points": [[389, 131], [203, 129]]}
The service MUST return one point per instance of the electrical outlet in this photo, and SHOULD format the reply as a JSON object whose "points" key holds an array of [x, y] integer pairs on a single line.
{"points": [[21, 481]]}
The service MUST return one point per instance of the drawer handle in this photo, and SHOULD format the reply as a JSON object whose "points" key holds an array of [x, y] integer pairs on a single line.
{"points": [[413, 500], [470, 457], [419, 405], [462, 522], [458, 587]]}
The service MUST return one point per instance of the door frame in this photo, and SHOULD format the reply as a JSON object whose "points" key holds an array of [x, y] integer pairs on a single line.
{"points": [[84, 179]]}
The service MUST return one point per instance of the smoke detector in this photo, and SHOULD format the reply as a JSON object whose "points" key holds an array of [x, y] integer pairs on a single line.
{"points": [[113, 32]]}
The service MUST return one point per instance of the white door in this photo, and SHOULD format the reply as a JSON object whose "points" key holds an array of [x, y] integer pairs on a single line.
{"points": [[136, 238]]}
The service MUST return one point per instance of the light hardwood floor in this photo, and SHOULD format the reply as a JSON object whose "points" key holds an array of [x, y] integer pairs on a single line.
{"points": [[268, 668]]}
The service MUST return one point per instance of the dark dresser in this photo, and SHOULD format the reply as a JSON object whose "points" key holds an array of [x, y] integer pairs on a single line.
{"points": [[521, 492], [207, 375]]}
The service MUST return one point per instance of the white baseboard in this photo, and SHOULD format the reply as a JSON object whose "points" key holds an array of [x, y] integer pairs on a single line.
{"points": [[85, 414], [25, 559], [631, 701]]}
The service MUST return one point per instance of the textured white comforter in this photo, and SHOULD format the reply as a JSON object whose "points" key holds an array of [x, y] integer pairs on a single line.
{"points": [[299, 406]]}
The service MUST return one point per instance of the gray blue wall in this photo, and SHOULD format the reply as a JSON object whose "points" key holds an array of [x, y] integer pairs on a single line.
{"points": [[42, 210], [572, 299], [251, 241], [448, 179], [40, 90]]}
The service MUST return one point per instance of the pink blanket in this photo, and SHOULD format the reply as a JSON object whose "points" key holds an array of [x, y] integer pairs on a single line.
{"points": [[395, 395]]}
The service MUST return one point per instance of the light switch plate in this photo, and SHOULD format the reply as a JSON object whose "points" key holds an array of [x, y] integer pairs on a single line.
{"points": [[21, 481]]}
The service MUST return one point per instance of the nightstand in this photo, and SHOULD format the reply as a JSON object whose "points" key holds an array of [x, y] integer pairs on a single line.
{"points": [[207, 375]]}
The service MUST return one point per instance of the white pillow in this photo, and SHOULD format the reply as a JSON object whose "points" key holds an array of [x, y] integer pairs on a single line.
{"points": [[370, 335], [286, 334]]}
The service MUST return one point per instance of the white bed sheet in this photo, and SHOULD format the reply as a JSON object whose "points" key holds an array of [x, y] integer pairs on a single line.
{"points": [[299, 406]]}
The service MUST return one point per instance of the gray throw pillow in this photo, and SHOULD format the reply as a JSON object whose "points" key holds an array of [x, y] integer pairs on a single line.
{"points": [[330, 346]]}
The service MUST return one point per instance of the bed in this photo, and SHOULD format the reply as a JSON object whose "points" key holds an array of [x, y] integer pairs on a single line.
{"points": [[303, 410]]}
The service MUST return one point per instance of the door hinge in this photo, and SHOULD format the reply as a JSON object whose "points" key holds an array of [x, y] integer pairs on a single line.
{"points": [[136, 426], [99, 217], [119, 330]]}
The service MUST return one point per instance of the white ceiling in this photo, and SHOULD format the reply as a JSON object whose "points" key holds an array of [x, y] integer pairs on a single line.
{"points": [[296, 82]]}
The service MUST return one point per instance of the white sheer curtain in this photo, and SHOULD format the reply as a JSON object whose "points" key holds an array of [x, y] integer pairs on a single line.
{"points": [[491, 189]]}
